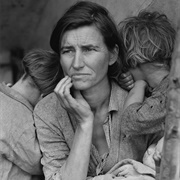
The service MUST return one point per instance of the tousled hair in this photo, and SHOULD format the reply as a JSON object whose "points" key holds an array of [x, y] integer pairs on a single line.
{"points": [[148, 37], [43, 67]]}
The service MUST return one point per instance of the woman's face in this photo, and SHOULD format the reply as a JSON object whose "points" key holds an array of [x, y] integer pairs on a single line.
{"points": [[84, 57]]}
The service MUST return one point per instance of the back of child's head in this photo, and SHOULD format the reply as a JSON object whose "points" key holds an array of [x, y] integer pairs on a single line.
{"points": [[148, 37], [43, 67]]}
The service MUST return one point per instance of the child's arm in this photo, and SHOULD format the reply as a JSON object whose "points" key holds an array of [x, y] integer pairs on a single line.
{"points": [[147, 117], [136, 94]]}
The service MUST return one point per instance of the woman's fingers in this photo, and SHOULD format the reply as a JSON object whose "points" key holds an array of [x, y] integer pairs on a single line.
{"points": [[63, 90], [59, 89], [67, 97], [61, 82], [123, 171], [118, 171], [127, 170], [76, 106], [126, 81]]}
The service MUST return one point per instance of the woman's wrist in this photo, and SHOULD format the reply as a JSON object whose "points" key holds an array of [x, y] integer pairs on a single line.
{"points": [[87, 124]]}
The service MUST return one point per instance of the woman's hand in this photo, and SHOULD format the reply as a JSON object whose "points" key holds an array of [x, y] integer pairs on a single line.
{"points": [[77, 106], [125, 171], [126, 81]]}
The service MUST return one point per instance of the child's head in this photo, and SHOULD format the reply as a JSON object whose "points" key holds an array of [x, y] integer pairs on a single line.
{"points": [[148, 37], [42, 70]]}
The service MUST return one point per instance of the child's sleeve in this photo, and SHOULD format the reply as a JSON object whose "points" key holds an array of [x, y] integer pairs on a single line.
{"points": [[147, 117]]}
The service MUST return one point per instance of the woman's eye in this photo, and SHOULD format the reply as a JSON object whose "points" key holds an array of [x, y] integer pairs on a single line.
{"points": [[88, 49], [66, 51]]}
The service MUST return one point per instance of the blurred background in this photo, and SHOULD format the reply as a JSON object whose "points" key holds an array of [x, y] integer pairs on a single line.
{"points": [[27, 24]]}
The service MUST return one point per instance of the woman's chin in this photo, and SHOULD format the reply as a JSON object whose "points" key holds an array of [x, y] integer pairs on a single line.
{"points": [[80, 86]]}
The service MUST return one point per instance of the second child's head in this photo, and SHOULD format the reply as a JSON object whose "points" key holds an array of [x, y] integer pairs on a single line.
{"points": [[147, 38]]}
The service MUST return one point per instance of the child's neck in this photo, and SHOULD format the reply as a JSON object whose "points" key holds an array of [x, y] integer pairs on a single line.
{"points": [[30, 93]]}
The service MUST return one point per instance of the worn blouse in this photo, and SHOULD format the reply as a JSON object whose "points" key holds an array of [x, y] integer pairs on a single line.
{"points": [[56, 129]]}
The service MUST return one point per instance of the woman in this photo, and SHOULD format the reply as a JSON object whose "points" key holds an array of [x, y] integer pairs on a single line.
{"points": [[81, 135]]}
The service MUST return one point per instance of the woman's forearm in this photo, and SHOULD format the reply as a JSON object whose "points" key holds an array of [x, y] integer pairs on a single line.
{"points": [[76, 166]]}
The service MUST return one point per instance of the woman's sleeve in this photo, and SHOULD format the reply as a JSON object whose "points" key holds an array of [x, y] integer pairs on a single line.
{"points": [[53, 146], [147, 117]]}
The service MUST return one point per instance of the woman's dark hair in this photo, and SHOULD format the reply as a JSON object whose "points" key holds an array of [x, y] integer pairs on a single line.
{"points": [[44, 69], [85, 13]]}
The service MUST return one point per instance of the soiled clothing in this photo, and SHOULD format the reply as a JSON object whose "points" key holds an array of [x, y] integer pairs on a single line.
{"points": [[19, 149], [149, 116], [56, 129]]}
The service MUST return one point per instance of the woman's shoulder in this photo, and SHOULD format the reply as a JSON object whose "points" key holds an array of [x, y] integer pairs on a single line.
{"points": [[47, 102], [50, 107], [118, 90]]}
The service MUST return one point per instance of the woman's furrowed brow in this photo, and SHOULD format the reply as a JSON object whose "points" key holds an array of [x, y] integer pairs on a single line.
{"points": [[90, 46], [66, 47]]}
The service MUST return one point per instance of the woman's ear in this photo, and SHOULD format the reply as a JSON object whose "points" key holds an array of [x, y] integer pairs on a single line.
{"points": [[114, 55]]}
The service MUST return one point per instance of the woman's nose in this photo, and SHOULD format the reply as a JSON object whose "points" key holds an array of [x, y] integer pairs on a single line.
{"points": [[78, 61]]}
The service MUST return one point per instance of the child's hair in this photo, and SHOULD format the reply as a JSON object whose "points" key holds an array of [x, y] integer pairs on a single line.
{"points": [[44, 69], [147, 37]]}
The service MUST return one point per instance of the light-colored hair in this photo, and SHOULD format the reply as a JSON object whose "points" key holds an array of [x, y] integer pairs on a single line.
{"points": [[44, 69], [148, 37]]}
